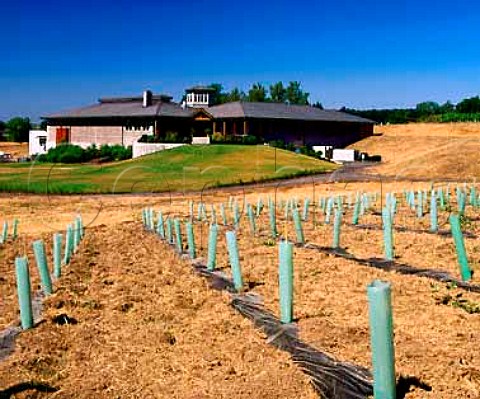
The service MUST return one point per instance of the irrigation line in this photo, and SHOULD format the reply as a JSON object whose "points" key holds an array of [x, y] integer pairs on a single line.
{"points": [[401, 268], [10, 333], [330, 378], [401, 229]]}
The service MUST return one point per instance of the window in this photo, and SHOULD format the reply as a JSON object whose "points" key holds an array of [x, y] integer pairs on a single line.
{"points": [[42, 140], [138, 127]]}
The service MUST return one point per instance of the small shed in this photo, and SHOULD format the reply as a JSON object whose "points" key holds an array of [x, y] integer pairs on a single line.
{"points": [[38, 142]]}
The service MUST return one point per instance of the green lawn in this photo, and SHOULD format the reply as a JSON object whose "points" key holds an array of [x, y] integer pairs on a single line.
{"points": [[184, 168]]}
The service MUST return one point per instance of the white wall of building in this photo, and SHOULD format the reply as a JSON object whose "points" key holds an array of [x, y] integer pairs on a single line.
{"points": [[39, 143], [140, 149], [198, 99], [340, 155], [324, 149], [201, 140]]}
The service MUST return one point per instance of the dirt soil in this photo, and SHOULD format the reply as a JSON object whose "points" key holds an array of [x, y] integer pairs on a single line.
{"points": [[142, 324]]}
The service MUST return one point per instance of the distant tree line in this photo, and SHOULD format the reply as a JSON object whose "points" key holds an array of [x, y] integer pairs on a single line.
{"points": [[17, 129], [467, 110], [258, 92]]}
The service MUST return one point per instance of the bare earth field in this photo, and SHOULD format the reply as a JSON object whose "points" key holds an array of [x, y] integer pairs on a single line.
{"points": [[143, 324], [148, 326]]}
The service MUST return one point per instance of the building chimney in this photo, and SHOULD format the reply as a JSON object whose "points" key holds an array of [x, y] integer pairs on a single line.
{"points": [[147, 98]]}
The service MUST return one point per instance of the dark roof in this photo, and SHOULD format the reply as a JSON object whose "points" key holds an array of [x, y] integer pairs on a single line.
{"points": [[200, 88], [155, 98], [173, 109], [123, 109], [281, 111], [126, 107]]}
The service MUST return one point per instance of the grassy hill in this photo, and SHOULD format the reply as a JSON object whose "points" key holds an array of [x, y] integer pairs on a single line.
{"points": [[185, 168], [426, 150]]}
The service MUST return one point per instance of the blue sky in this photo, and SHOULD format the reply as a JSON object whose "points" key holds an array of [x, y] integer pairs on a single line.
{"points": [[362, 54]]}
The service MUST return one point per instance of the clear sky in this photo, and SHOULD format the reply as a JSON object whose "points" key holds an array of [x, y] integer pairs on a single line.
{"points": [[358, 53]]}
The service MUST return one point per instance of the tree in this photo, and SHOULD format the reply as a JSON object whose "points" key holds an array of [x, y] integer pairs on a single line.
{"points": [[17, 129], [278, 93], [43, 125], [427, 108], [447, 107], [469, 105], [257, 93], [2, 129], [295, 94], [236, 95], [318, 105], [218, 95]]}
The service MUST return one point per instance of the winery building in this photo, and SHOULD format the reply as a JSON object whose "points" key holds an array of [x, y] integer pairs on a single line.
{"points": [[124, 120]]}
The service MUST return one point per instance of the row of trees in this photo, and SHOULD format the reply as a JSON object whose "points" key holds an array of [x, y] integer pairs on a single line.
{"points": [[467, 109], [292, 93]]}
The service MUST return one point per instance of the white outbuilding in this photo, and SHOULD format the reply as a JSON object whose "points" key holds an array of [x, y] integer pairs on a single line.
{"points": [[344, 155], [38, 142]]}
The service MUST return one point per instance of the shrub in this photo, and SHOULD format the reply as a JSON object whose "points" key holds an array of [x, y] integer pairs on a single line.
{"points": [[229, 139], [91, 152], [249, 140], [71, 154], [290, 147], [65, 153], [68, 153], [308, 150], [217, 137], [277, 143], [171, 137], [115, 152], [147, 138]]}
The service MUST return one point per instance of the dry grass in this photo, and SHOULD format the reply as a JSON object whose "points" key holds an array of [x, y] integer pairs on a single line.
{"points": [[426, 150], [331, 304], [149, 327], [16, 149]]}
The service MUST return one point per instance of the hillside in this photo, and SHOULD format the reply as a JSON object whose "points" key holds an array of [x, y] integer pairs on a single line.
{"points": [[426, 150], [182, 169]]}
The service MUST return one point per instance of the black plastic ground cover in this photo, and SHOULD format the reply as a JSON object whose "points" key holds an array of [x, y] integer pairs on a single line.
{"points": [[401, 268], [401, 229], [330, 378], [9, 334]]}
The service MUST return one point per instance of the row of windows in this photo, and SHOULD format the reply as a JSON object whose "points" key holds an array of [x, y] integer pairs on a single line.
{"points": [[139, 127], [197, 98]]}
